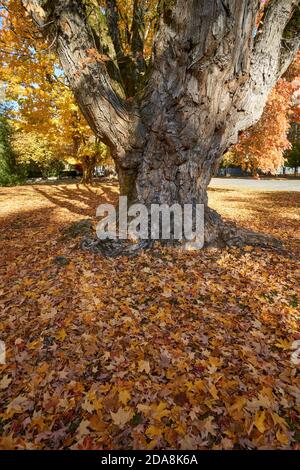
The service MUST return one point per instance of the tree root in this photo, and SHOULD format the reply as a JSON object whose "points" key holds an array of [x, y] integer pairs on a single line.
{"points": [[218, 234], [229, 237], [239, 237], [222, 234], [115, 248]]}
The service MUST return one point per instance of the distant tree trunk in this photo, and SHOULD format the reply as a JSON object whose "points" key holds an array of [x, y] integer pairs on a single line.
{"points": [[211, 76], [88, 166]]}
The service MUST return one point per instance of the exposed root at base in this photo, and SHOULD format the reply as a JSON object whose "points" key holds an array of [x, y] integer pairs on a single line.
{"points": [[222, 234], [217, 233], [230, 236], [239, 237], [115, 248]]}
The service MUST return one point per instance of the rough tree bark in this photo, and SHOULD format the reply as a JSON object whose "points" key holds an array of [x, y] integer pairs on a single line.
{"points": [[211, 75]]}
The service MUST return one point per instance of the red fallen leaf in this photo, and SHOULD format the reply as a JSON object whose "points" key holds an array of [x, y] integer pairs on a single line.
{"points": [[199, 370], [88, 443]]}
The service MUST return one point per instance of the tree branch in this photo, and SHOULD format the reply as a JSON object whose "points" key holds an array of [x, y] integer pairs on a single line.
{"points": [[138, 34], [113, 26], [64, 22], [279, 37], [268, 59], [291, 40]]}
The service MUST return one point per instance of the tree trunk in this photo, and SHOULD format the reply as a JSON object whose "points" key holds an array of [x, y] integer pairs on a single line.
{"points": [[211, 76], [203, 91], [88, 166]]}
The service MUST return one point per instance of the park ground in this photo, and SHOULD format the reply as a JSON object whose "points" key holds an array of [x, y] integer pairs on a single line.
{"points": [[168, 350]]}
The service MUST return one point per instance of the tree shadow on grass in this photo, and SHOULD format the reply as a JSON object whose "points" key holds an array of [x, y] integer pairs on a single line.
{"points": [[221, 190], [81, 200]]}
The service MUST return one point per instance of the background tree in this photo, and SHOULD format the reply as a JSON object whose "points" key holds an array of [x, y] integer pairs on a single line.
{"points": [[36, 155], [43, 104], [8, 174], [264, 145], [92, 154], [293, 155], [212, 67]]}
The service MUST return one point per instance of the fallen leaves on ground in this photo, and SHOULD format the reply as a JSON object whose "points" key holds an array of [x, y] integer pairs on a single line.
{"points": [[169, 350]]}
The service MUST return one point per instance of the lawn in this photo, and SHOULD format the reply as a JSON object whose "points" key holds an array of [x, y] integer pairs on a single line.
{"points": [[168, 350]]}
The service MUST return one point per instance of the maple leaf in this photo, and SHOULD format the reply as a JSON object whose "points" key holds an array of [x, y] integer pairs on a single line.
{"points": [[259, 421], [124, 396], [49, 315], [121, 417], [227, 444], [282, 437], [237, 407], [8, 442], [154, 432], [34, 344], [167, 412], [144, 408], [144, 366], [61, 335], [213, 391], [88, 406], [18, 405], [279, 420], [96, 424], [5, 382], [83, 429], [283, 344], [160, 411], [188, 443], [167, 293], [209, 427]]}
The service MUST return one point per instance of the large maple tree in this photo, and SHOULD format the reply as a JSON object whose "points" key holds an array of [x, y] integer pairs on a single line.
{"points": [[169, 85]]}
